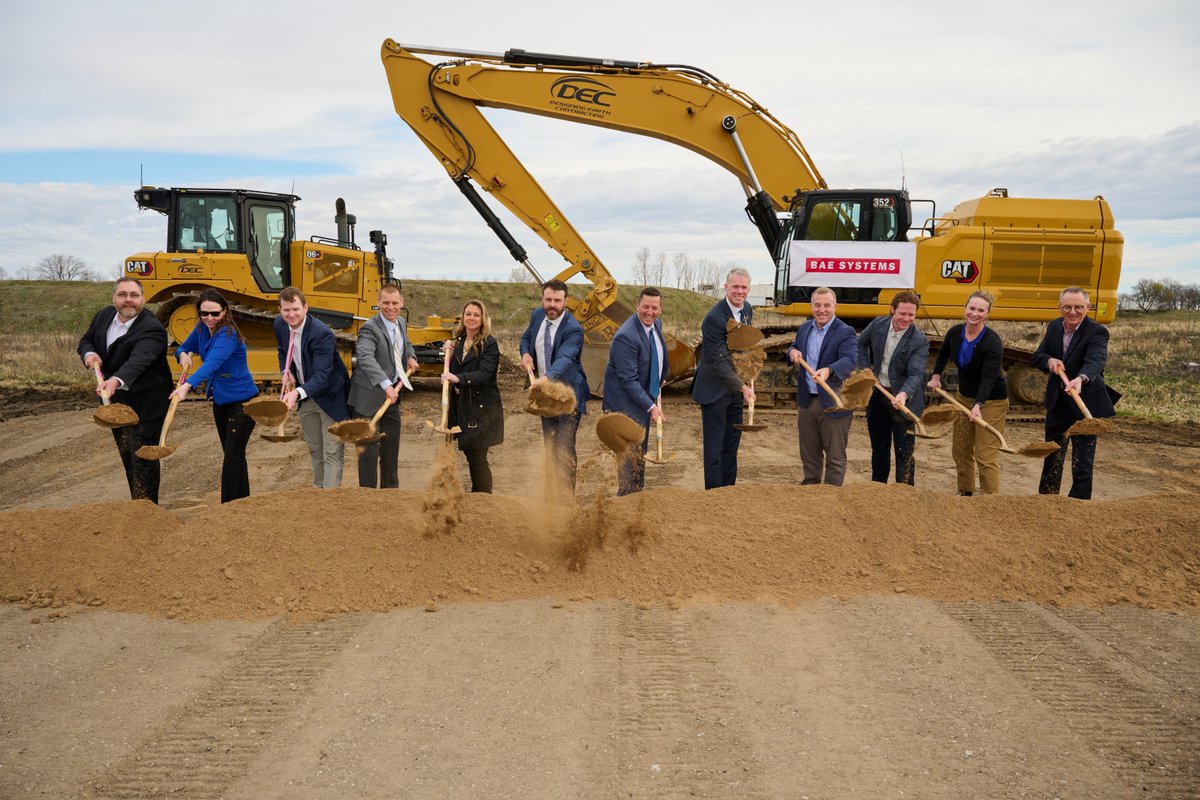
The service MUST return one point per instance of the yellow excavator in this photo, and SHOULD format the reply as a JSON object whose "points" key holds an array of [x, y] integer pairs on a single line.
{"points": [[860, 241], [244, 244]]}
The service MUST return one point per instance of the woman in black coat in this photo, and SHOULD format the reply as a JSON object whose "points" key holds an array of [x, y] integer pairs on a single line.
{"points": [[474, 395]]}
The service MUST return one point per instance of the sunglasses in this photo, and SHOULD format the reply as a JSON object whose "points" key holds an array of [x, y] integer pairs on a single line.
{"points": [[212, 313]]}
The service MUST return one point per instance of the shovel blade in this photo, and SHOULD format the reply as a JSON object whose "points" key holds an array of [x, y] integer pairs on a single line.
{"points": [[155, 452]]}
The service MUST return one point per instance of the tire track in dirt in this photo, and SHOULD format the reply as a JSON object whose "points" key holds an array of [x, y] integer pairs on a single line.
{"points": [[211, 742], [1136, 725], [674, 734]]}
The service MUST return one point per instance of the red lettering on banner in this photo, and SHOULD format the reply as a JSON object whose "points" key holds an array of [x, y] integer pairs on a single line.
{"points": [[887, 266]]}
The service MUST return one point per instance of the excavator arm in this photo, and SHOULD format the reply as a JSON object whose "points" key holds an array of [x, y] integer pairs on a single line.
{"points": [[683, 105]]}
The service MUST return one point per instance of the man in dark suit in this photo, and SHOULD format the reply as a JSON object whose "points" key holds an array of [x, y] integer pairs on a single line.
{"points": [[320, 382], [830, 347], [896, 351], [381, 353], [633, 380], [1078, 345], [552, 345], [130, 346], [717, 387]]}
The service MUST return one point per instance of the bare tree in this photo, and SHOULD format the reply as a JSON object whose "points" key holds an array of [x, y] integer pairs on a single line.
{"points": [[641, 267], [26, 273], [684, 270], [59, 267], [520, 275]]}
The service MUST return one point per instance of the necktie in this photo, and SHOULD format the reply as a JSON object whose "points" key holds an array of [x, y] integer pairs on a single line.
{"points": [[742, 314], [655, 372], [546, 346], [397, 355], [297, 362]]}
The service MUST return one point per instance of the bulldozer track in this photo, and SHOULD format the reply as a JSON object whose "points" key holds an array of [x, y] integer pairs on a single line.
{"points": [[211, 741], [1129, 717]]}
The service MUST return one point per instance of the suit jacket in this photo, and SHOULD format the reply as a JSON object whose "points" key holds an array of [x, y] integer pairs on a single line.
{"points": [[139, 358], [373, 363], [715, 375], [566, 353], [475, 400], [839, 352], [983, 376], [627, 376], [325, 378], [906, 370], [1087, 355], [225, 369]]}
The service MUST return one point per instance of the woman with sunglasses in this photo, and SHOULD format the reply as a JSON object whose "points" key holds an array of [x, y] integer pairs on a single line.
{"points": [[222, 348]]}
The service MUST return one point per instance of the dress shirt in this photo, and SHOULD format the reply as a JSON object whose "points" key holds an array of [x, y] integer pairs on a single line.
{"points": [[812, 354], [539, 345], [893, 339]]}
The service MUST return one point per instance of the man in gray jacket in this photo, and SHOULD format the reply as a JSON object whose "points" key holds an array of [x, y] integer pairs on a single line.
{"points": [[383, 358]]}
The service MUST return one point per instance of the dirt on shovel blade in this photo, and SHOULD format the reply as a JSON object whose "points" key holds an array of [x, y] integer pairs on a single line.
{"points": [[857, 389], [1038, 449], [154, 452], [549, 398], [940, 415], [742, 337], [748, 364], [269, 411], [1091, 427], [117, 415], [618, 432], [351, 430]]}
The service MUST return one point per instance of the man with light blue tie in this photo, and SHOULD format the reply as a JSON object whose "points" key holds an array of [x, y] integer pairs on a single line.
{"points": [[552, 346], [633, 380]]}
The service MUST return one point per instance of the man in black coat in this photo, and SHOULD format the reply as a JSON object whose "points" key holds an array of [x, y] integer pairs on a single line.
{"points": [[130, 346], [1078, 345]]}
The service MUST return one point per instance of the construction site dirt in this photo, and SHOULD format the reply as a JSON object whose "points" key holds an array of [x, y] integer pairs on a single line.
{"points": [[766, 640]]}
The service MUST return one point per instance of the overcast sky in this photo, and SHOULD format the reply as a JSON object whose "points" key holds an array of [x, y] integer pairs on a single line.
{"points": [[1063, 99]]}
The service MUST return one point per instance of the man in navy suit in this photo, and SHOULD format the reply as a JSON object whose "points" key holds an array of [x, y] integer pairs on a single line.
{"points": [[320, 383], [130, 346], [830, 347], [552, 346], [633, 380], [1078, 345], [717, 387]]}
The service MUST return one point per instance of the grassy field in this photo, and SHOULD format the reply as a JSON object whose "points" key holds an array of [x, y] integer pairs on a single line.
{"points": [[40, 322]]}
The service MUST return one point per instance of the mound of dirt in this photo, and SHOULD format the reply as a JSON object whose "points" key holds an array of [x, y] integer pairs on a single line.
{"points": [[317, 553]]}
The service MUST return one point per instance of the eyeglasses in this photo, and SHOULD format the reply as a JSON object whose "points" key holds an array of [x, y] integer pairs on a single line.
{"points": [[212, 313], [1073, 308]]}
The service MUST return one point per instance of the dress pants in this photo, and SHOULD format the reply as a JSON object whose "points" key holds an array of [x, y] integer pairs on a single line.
{"points": [[721, 440], [481, 471], [142, 476], [890, 430], [324, 449], [559, 435], [234, 427], [1083, 459], [631, 470], [976, 449], [379, 462], [823, 439]]}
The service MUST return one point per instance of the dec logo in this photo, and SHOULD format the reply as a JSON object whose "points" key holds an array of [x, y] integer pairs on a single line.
{"points": [[138, 267], [582, 90], [960, 271]]}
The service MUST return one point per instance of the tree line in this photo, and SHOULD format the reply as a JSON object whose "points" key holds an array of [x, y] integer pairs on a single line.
{"points": [[1166, 294], [56, 267]]}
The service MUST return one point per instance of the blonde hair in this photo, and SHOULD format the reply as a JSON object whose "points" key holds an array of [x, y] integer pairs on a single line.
{"points": [[985, 296], [485, 328]]}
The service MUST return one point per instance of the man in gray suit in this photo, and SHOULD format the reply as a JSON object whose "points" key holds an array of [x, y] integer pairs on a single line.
{"points": [[383, 357], [896, 351]]}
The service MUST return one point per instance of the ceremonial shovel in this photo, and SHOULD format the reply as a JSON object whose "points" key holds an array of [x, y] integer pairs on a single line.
{"points": [[152, 452], [1033, 449], [445, 404], [658, 436], [112, 415], [1089, 425], [920, 431]]}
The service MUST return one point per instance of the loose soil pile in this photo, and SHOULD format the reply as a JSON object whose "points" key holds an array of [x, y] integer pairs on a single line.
{"points": [[549, 398], [314, 553]]}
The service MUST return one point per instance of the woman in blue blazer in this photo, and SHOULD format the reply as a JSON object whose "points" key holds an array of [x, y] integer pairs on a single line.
{"points": [[222, 348]]}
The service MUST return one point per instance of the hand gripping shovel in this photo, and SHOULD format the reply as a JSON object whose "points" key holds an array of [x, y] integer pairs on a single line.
{"points": [[154, 452], [659, 458], [1032, 450], [269, 411], [112, 415], [449, 432], [360, 431], [749, 424], [839, 405], [920, 432], [279, 435], [1089, 425]]}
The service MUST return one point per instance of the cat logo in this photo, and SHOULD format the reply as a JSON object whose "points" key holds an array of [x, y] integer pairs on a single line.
{"points": [[960, 271], [138, 268]]}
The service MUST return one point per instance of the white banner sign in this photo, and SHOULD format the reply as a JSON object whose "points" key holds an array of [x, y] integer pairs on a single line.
{"points": [[882, 265]]}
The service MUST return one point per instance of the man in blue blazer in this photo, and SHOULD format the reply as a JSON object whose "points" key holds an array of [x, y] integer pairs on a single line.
{"points": [[633, 380], [896, 351], [320, 383], [552, 346], [717, 387], [830, 347], [1079, 345], [130, 346]]}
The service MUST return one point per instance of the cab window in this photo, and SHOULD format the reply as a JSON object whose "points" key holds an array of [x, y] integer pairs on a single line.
{"points": [[207, 223], [268, 237], [835, 220]]}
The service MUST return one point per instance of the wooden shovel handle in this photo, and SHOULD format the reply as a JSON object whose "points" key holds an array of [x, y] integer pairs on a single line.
{"points": [[379, 414], [812, 373], [905, 410], [446, 389], [980, 421], [1074, 394], [162, 437], [99, 382]]}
